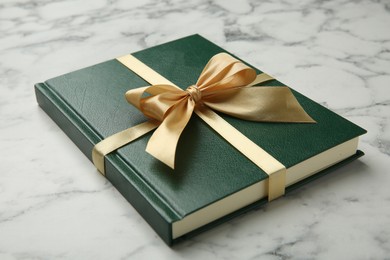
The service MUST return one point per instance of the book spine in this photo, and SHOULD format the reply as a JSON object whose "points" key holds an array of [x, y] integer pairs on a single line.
{"points": [[144, 199]]}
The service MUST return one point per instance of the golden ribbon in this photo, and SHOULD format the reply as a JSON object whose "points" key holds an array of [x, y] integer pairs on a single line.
{"points": [[225, 85]]}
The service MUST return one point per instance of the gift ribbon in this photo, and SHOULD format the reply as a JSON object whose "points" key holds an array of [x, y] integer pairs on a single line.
{"points": [[225, 85]]}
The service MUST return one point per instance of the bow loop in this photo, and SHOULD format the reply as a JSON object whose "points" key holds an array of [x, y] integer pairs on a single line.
{"points": [[222, 72], [160, 99]]}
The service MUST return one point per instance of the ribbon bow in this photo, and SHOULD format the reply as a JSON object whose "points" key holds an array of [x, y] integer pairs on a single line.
{"points": [[225, 85]]}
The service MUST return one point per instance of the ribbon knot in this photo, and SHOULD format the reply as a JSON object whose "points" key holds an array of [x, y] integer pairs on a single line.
{"points": [[194, 93], [225, 85]]}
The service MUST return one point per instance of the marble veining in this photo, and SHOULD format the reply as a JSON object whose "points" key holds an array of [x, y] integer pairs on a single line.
{"points": [[55, 205]]}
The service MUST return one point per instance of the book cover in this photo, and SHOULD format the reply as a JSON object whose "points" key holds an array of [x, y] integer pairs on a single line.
{"points": [[89, 105]]}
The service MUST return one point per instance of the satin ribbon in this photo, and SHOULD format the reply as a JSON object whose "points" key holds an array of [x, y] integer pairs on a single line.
{"points": [[225, 85]]}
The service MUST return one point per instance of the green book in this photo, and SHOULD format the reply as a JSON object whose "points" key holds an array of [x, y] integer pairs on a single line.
{"points": [[212, 181]]}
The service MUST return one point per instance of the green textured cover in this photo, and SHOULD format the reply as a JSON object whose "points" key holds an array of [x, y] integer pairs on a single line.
{"points": [[89, 105]]}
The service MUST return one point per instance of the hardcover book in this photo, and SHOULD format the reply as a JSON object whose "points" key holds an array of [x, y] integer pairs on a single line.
{"points": [[212, 181]]}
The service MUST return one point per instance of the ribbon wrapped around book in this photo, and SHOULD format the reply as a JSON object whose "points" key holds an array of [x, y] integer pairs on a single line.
{"points": [[226, 85]]}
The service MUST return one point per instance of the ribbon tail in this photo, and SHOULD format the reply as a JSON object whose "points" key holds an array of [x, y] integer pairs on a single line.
{"points": [[162, 145], [262, 104]]}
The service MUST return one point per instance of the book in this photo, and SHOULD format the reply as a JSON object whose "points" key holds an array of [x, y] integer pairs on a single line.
{"points": [[212, 182]]}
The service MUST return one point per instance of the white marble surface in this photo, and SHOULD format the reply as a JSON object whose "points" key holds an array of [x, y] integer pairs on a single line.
{"points": [[54, 204]]}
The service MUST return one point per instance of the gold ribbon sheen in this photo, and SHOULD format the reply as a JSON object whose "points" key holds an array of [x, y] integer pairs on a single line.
{"points": [[225, 85]]}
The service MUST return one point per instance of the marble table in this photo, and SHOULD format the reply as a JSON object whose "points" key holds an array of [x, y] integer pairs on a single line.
{"points": [[55, 205]]}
